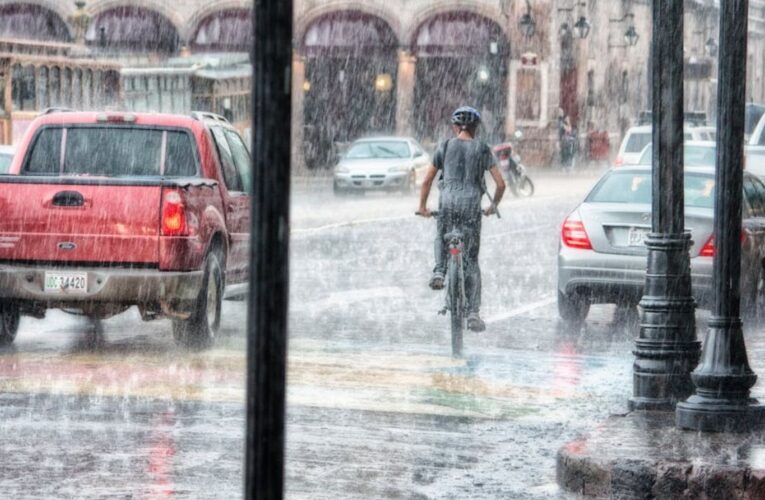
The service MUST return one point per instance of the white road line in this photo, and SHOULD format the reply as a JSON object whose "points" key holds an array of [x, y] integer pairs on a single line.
{"points": [[337, 225], [521, 310]]}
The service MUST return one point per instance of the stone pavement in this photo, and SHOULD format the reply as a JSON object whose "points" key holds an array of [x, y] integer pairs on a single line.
{"points": [[643, 455]]}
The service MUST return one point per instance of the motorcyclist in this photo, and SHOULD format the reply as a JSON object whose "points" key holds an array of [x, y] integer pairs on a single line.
{"points": [[463, 161]]}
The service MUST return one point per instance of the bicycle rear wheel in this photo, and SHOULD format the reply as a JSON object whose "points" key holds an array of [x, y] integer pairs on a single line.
{"points": [[456, 305]]}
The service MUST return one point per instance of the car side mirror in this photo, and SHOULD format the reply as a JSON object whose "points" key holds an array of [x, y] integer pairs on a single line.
{"points": [[418, 154]]}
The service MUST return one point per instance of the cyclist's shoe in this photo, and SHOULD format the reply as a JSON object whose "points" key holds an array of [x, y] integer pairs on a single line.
{"points": [[475, 323], [437, 281]]}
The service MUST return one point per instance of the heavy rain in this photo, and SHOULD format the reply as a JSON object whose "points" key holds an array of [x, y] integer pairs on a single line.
{"points": [[627, 250]]}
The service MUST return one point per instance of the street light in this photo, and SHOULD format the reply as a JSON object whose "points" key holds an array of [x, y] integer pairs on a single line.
{"points": [[527, 24], [631, 37], [582, 27], [711, 47]]}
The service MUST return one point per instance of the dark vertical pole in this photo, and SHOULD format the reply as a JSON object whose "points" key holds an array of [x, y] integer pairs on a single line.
{"points": [[666, 350], [269, 250], [723, 379]]}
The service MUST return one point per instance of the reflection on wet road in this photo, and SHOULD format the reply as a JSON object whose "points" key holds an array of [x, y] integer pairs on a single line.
{"points": [[377, 406]]}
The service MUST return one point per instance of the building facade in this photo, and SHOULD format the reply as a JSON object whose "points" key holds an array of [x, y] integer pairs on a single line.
{"points": [[399, 66]]}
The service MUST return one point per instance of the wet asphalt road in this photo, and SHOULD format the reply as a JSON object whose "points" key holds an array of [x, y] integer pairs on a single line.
{"points": [[377, 406]]}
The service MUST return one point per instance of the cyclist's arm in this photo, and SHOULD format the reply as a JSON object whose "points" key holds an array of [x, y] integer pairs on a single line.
{"points": [[427, 183], [500, 183]]}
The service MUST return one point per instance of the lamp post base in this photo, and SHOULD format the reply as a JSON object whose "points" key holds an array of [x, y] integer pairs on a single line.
{"points": [[715, 415]]}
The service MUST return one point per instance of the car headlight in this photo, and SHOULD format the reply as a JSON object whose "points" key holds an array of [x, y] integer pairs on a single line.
{"points": [[401, 168], [341, 170]]}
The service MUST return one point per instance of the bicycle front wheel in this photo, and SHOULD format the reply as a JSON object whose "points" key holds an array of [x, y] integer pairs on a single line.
{"points": [[456, 305]]}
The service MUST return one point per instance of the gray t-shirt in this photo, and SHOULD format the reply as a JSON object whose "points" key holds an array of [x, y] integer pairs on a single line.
{"points": [[463, 164]]}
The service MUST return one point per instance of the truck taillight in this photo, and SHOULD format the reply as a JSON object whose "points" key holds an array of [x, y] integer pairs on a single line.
{"points": [[574, 235], [173, 215]]}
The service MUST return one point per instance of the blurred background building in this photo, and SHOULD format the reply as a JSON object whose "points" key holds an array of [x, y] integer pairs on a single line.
{"points": [[373, 66]]}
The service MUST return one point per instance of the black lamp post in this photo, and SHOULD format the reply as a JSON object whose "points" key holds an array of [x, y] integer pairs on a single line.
{"points": [[724, 378], [269, 251], [666, 349]]}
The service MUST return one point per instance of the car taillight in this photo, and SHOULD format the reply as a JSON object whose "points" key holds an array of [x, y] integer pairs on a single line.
{"points": [[709, 250], [173, 215], [574, 235]]}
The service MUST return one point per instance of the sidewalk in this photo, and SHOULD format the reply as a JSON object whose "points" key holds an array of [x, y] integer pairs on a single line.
{"points": [[643, 455]]}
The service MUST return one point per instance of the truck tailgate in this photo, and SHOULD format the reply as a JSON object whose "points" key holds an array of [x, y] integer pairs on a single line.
{"points": [[88, 222]]}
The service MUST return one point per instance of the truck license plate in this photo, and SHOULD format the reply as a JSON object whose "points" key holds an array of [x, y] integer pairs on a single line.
{"points": [[66, 282], [636, 236]]}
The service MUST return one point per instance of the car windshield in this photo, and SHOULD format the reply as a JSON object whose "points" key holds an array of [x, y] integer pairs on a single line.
{"points": [[694, 156], [5, 162], [635, 188], [637, 141], [378, 149]]}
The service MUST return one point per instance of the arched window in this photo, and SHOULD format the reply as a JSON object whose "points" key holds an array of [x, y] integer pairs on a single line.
{"points": [[132, 29], [227, 30], [23, 91], [29, 21]]}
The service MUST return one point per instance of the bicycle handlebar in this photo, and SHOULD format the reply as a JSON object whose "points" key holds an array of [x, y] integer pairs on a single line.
{"points": [[434, 213]]}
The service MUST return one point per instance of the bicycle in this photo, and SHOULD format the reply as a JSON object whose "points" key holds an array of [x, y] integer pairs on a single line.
{"points": [[456, 299]]}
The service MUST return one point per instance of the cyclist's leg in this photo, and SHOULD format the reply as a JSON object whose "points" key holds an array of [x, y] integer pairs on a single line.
{"points": [[473, 273], [440, 251]]}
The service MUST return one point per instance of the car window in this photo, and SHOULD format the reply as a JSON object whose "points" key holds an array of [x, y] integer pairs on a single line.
{"points": [[180, 160], [759, 192], [230, 175], [637, 141], [120, 151], [45, 155], [687, 137], [242, 159], [694, 156], [378, 149], [750, 194], [5, 162], [635, 187]]}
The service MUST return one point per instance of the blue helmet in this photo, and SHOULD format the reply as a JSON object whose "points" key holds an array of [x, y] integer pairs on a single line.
{"points": [[465, 116]]}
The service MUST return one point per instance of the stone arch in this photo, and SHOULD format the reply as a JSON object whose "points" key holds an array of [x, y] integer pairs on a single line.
{"points": [[147, 22], [488, 11], [192, 22], [163, 8], [307, 19], [225, 29], [461, 60], [36, 26]]}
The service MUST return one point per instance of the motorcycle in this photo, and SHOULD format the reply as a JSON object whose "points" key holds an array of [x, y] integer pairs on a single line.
{"points": [[513, 170]]}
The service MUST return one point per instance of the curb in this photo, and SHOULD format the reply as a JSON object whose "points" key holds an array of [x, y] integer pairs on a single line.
{"points": [[642, 455]]}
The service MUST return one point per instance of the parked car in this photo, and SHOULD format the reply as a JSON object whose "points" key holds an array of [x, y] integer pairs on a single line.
{"points": [[6, 156], [111, 210], [637, 138], [695, 154], [381, 163], [602, 256]]}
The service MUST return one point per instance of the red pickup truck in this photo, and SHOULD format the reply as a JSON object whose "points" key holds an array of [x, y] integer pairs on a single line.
{"points": [[103, 211]]}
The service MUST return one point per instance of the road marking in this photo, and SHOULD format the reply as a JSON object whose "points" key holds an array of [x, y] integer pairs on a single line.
{"points": [[360, 222], [521, 310]]}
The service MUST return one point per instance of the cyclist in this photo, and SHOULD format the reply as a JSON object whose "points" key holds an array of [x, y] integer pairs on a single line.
{"points": [[463, 161]]}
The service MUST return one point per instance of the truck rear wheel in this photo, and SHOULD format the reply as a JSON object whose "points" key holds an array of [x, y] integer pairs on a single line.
{"points": [[200, 330], [10, 316]]}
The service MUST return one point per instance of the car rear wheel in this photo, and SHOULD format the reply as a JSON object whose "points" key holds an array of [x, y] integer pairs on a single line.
{"points": [[200, 330], [10, 316], [573, 307]]}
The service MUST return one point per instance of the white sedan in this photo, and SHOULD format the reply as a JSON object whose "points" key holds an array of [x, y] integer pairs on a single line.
{"points": [[381, 163]]}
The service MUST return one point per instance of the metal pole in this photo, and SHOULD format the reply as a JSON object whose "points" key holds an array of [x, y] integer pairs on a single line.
{"points": [[724, 378], [666, 350], [269, 250]]}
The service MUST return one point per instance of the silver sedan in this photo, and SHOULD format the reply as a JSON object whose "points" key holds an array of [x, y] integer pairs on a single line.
{"points": [[602, 256], [381, 163]]}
